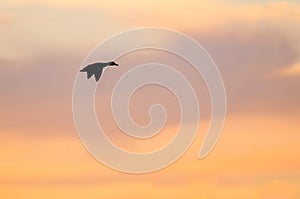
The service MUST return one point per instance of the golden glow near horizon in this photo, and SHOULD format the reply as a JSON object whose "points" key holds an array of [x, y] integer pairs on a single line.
{"points": [[256, 46]]}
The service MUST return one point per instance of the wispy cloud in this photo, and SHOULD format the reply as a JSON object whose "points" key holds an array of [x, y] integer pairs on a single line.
{"points": [[292, 70]]}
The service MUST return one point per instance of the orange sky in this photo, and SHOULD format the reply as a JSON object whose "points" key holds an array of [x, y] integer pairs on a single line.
{"points": [[256, 45]]}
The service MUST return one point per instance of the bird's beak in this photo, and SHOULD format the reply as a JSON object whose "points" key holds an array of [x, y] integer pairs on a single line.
{"points": [[113, 64]]}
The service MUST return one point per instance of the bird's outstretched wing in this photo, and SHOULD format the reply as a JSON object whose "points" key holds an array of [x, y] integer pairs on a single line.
{"points": [[85, 69], [98, 73]]}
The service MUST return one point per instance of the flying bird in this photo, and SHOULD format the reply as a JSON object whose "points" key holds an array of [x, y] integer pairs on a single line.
{"points": [[96, 69]]}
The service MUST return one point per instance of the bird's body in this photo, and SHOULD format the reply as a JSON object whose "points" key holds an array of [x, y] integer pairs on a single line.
{"points": [[96, 69]]}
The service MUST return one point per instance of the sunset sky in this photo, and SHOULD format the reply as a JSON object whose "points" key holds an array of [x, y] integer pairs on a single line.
{"points": [[256, 46]]}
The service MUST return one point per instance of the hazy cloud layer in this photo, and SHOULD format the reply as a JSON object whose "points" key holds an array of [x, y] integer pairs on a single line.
{"points": [[249, 57]]}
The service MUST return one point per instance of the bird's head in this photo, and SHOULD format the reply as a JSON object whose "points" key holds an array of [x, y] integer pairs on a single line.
{"points": [[113, 64]]}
